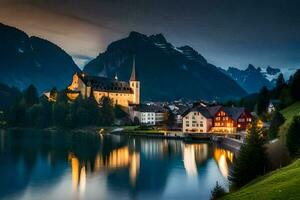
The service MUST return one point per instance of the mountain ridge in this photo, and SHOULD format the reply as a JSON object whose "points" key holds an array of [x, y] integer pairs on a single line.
{"points": [[26, 60], [167, 72]]}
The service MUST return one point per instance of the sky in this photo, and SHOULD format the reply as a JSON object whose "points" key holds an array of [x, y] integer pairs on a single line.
{"points": [[226, 32]]}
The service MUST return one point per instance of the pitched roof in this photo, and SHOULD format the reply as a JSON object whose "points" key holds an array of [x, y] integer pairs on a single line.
{"points": [[99, 83], [151, 108], [213, 110], [234, 112], [203, 110]]}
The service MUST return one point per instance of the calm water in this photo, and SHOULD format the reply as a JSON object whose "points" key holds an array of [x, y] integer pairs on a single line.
{"points": [[35, 166]]}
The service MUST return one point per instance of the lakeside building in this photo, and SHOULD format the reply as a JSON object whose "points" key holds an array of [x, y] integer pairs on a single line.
{"points": [[148, 114], [216, 119], [121, 93], [197, 119]]}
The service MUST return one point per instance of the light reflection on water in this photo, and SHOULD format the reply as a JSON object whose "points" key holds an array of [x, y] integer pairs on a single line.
{"points": [[89, 166]]}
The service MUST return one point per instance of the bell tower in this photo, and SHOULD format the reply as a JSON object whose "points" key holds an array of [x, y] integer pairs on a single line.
{"points": [[135, 84]]}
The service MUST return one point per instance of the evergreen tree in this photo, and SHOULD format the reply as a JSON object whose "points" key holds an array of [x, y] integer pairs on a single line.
{"points": [[263, 100], [217, 192], [17, 113], [293, 136], [295, 86], [119, 112], [107, 114], [171, 119], [252, 159], [285, 97], [276, 121], [59, 114], [280, 82], [30, 96]]}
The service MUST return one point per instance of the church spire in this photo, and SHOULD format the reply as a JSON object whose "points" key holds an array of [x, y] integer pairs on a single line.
{"points": [[133, 76]]}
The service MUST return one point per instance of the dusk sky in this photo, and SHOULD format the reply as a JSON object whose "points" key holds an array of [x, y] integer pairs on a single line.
{"points": [[227, 33]]}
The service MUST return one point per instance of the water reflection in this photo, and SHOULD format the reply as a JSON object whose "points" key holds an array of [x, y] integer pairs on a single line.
{"points": [[119, 167], [224, 158]]}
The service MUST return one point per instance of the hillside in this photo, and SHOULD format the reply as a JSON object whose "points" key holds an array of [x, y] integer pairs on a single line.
{"points": [[166, 72], [28, 60], [288, 114], [280, 184]]}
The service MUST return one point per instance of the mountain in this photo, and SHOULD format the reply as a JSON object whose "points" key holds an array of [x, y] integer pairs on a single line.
{"points": [[253, 79], [28, 60], [165, 72]]}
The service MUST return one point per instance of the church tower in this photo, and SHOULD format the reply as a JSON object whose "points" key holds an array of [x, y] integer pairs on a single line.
{"points": [[135, 84]]}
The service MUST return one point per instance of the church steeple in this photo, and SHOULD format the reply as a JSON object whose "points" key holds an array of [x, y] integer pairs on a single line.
{"points": [[133, 76], [135, 84]]}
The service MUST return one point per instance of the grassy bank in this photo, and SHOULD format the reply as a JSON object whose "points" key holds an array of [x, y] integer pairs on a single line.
{"points": [[280, 184], [288, 114]]}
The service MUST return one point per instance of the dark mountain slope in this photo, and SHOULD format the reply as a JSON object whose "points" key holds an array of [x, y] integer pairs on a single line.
{"points": [[165, 72], [25, 60]]}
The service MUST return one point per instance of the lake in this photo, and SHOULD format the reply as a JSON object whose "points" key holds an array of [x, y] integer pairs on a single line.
{"points": [[39, 165]]}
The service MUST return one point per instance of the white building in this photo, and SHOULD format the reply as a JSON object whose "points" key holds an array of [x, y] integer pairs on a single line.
{"points": [[149, 114], [196, 120]]}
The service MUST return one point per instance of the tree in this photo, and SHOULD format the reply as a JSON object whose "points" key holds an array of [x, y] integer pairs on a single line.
{"points": [[280, 82], [136, 121], [62, 97], [295, 86], [293, 136], [107, 114], [276, 121], [119, 112], [252, 159], [17, 114], [217, 192], [59, 114], [285, 97], [263, 100], [171, 118], [30, 96]]}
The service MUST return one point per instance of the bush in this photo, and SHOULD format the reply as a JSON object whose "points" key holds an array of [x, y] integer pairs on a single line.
{"points": [[293, 136], [217, 192]]}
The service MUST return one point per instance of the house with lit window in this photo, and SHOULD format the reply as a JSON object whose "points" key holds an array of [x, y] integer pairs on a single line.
{"points": [[216, 119]]}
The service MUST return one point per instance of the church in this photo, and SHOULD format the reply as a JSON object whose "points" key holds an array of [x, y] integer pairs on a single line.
{"points": [[122, 93]]}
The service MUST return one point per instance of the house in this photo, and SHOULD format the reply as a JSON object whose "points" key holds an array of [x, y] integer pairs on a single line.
{"points": [[230, 119], [216, 119], [196, 120], [148, 114], [273, 104], [120, 92]]}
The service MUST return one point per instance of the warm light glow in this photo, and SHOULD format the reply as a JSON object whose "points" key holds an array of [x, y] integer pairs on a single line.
{"points": [[189, 160], [222, 158]]}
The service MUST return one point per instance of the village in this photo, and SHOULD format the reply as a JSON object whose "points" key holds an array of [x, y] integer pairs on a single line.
{"points": [[178, 118]]}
